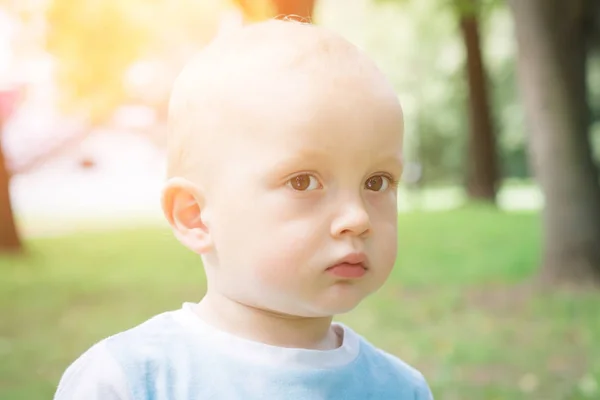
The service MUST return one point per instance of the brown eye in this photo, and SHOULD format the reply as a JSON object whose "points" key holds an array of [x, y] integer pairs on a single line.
{"points": [[377, 183], [303, 182]]}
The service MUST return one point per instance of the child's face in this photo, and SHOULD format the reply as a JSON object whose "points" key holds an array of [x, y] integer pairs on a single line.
{"points": [[311, 184]]}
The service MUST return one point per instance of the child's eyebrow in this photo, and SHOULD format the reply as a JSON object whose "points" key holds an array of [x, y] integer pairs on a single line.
{"points": [[393, 161], [300, 159]]}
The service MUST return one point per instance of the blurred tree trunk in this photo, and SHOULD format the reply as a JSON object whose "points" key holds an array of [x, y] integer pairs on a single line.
{"points": [[482, 167], [593, 24], [552, 73], [9, 237], [258, 10], [301, 8], [592, 27]]}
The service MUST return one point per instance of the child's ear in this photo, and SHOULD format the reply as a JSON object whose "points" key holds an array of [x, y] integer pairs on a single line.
{"points": [[182, 204]]}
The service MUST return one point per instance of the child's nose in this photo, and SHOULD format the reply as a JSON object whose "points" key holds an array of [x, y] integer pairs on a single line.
{"points": [[353, 219]]}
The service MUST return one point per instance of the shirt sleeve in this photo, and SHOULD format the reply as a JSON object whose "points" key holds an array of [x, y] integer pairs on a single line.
{"points": [[95, 375], [424, 392]]}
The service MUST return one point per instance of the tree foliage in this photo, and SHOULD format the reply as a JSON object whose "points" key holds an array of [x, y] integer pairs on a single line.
{"points": [[257, 10], [95, 42], [422, 50]]}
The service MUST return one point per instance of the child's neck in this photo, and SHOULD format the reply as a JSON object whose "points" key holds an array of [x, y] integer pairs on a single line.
{"points": [[266, 326]]}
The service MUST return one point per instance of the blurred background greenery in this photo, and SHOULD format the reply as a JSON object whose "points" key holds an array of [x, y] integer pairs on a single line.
{"points": [[495, 294]]}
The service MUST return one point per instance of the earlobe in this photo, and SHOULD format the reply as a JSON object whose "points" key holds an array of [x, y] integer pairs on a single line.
{"points": [[183, 206]]}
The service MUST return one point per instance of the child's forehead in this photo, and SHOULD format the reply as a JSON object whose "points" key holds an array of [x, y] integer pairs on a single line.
{"points": [[273, 74]]}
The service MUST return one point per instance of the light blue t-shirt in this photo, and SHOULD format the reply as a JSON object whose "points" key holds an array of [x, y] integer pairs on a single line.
{"points": [[176, 356]]}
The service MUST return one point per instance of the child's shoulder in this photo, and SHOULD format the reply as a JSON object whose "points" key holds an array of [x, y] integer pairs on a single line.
{"points": [[152, 335], [124, 362], [157, 345]]}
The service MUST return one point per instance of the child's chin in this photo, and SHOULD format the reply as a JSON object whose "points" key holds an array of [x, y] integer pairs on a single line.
{"points": [[326, 306], [339, 307], [344, 309], [324, 310]]}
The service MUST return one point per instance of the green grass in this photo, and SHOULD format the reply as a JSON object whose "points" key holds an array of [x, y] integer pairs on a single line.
{"points": [[459, 306]]}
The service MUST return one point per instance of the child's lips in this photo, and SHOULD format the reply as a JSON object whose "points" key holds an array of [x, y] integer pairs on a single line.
{"points": [[348, 271], [352, 266]]}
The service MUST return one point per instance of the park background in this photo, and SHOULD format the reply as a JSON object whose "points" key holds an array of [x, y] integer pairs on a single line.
{"points": [[495, 293]]}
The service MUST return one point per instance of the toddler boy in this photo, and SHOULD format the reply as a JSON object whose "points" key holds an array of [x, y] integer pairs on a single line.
{"points": [[285, 149]]}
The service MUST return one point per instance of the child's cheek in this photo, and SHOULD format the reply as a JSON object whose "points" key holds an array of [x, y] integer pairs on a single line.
{"points": [[286, 259], [387, 245]]}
